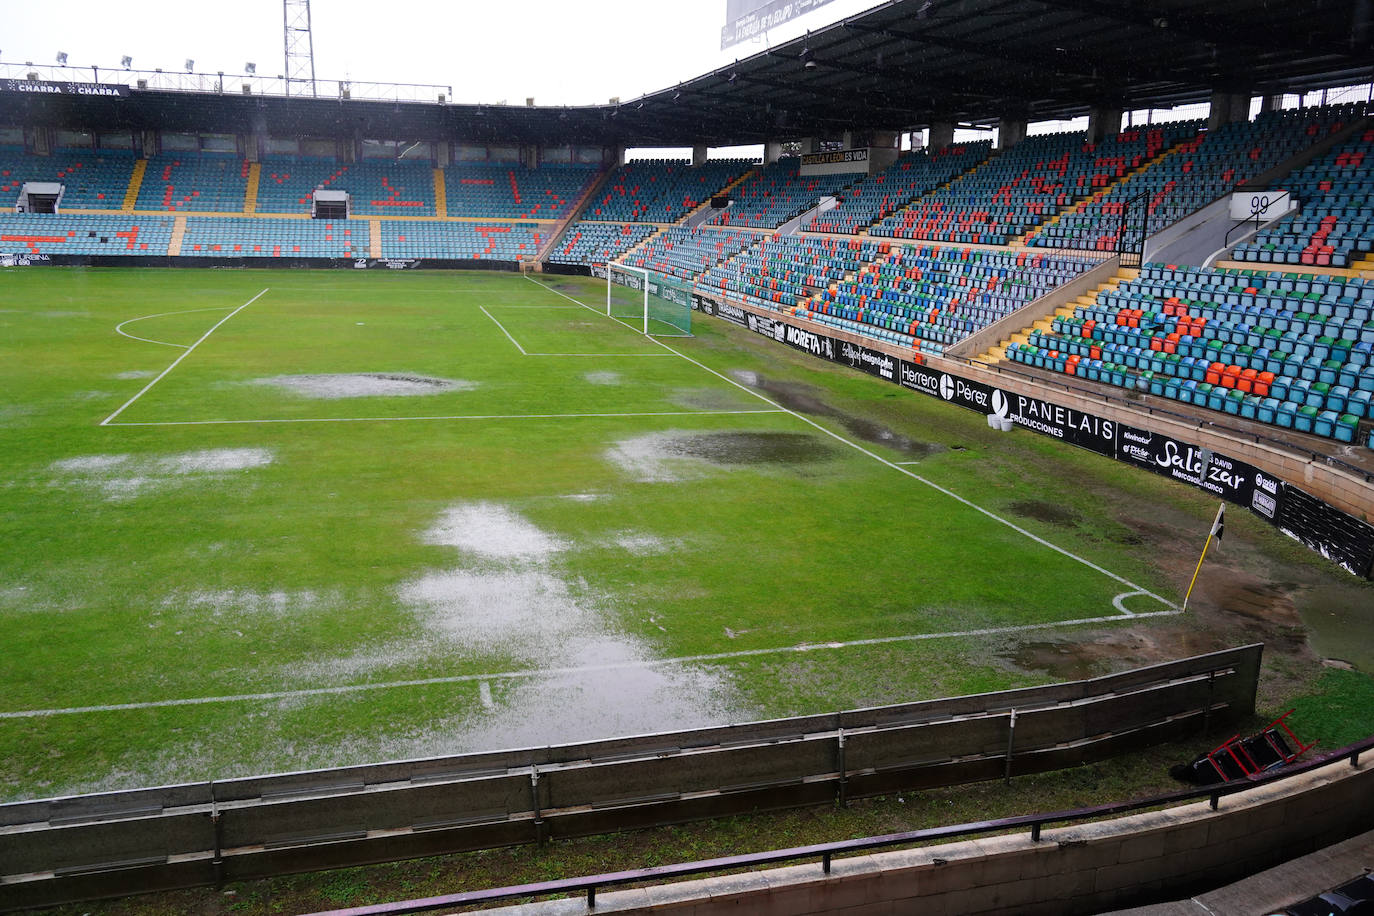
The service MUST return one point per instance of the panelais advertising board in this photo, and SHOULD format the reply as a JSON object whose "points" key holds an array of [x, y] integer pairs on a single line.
{"points": [[1339, 537]]}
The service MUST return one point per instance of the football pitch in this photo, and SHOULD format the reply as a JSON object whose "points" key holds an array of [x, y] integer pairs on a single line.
{"points": [[266, 520]]}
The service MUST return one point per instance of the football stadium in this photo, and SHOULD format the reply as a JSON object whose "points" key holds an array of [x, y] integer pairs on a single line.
{"points": [[917, 457]]}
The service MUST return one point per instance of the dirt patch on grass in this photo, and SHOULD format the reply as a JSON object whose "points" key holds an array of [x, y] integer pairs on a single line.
{"points": [[1042, 511], [805, 399], [364, 385], [678, 455]]}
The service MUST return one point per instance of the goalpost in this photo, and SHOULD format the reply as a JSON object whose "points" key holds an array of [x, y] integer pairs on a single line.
{"points": [[659, 305]]}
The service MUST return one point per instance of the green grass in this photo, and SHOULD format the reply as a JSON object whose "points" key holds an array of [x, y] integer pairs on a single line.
{"points": [[134, 582]]}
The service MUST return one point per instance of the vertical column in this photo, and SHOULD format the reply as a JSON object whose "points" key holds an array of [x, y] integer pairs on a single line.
{"points": [[699, 155], [1103, 122], [1228, 107], [772, 151], [1010, 131], [941, 135]]}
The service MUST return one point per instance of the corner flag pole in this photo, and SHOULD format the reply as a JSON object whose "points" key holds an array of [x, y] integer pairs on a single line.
{"points": [[1217, 526]]}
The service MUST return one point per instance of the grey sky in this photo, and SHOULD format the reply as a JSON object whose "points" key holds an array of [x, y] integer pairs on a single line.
{"points": [[561, 52]]}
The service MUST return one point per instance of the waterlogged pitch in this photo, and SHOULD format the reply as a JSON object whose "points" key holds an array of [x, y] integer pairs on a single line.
{"points": [[256, 521]]}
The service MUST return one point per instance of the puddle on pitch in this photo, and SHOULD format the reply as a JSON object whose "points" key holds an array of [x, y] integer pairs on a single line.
{"points": [[803, 399]]}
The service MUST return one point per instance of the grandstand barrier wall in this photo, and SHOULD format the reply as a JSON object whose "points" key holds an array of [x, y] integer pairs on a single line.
{"points": [[1063, 865], [1191, 451], [72, 260], [112, 844]]}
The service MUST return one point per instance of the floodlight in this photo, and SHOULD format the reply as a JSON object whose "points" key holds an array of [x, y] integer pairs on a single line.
{"points": [[190, 65], [250, 67], [62, 58], [126, 62]]}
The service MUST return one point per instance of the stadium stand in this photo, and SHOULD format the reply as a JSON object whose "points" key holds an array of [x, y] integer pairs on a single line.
{"points": [[435, 239], [213, 182], [247, 237], [1336, 225], [116, 234], [1193, 175], [926, 297], [1026, 185], [92, 179], [1287, 349], [912, 175], [512, 191], [663, 190], [777, 193], [388, 188], [686, 253], [287, 183], [596, 243]]}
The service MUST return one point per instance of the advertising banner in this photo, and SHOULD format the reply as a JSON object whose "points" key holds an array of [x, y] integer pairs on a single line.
{"points": [[1229, 478], [1342, 539], [40, 87]]}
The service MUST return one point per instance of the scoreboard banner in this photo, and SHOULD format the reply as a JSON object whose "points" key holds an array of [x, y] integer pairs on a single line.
{"points": [[749, 19], [1342, 538]]}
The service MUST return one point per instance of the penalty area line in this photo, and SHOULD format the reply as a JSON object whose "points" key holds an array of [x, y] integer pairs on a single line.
{"points": [[176, 362], [495, 416], [527, 674]]}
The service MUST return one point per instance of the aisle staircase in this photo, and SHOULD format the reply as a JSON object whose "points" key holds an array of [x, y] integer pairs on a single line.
{"points": [[250, 191], [998, 352], [178, 234], [1024, 238], [374, 235], [135, 184], [440, 194]]}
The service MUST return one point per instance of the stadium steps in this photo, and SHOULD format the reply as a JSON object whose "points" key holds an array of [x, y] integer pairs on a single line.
{"points": [[997, 352], [1024, 238], [374, 234], [705, 204], [440, 194], [135, 183], [250, 191], [992, 157], [1364, 267], [178, 233], [574, 213], [863, 233]]}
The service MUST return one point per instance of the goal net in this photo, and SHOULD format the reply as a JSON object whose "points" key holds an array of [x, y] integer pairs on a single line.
{"points": [[658, 305]]}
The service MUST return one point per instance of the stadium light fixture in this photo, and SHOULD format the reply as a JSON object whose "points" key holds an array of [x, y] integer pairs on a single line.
{"points": [[62, 58], [190, 65], [250, 68], [126, 62]]}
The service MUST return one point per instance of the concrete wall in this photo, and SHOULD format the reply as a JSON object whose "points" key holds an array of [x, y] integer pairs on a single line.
{"points": [[1080, 868], [56, 850]]}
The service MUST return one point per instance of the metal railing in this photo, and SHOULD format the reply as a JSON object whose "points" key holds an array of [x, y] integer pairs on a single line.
{"points": [[1259, 210], [228, 83], [827, 852]]}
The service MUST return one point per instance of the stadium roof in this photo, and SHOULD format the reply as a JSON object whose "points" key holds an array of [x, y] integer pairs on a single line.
{"points": [[899, 66]]}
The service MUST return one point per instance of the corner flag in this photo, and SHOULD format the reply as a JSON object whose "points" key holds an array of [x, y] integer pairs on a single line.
{"points": [[1218, 526]]}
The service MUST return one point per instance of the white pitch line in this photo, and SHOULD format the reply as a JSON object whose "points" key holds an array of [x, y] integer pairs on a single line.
{"points": [[484, 695], [177, 361], [503, 330], [898, 468], [119, 328], [508, 416], [563, 672]]}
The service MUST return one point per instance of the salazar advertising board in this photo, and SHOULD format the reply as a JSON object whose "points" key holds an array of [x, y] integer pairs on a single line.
{"points": [[1224, 476]]}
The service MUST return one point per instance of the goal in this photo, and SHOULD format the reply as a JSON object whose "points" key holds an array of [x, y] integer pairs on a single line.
{"points": [[658, 305]]}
